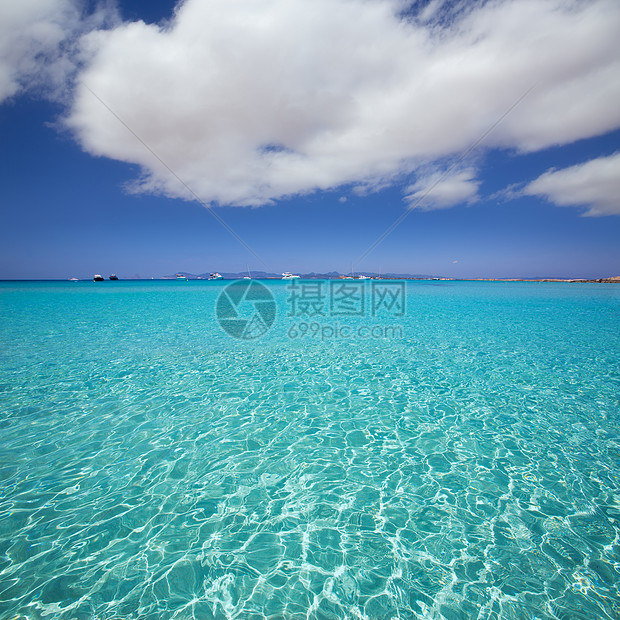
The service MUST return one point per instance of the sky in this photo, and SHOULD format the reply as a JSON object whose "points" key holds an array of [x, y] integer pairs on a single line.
{"points": [[454, 139]]}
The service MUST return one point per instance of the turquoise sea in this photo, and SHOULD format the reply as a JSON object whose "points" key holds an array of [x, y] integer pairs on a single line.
{"points": [[454, 457]]}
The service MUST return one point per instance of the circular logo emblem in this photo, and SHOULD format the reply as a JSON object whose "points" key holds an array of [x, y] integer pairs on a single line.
{"points": [[245, 309]]}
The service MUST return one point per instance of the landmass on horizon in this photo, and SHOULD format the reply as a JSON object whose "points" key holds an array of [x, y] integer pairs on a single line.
{"points": [[334, 275]]}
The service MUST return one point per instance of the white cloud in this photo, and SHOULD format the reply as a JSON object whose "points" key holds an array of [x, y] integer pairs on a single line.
{"points": [[441, 191], [431, 10], [252, 100], [31, 32], [36, 43], [594, 184]]}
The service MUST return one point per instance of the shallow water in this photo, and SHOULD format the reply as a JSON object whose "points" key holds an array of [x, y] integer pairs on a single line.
{"points": [[464, 463]]}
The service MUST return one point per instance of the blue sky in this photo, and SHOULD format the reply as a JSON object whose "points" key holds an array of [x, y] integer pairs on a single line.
{"points": [[310, 147]]}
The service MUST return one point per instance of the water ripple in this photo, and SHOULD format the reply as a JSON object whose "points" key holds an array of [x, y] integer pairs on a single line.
{"points": [[469, 470]]}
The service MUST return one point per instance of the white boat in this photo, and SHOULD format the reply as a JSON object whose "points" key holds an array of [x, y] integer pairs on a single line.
{"points": [[180, 276], [98, 278], [249, 276], [215, 276], [361, 277], [287, 275], [73, 280]]}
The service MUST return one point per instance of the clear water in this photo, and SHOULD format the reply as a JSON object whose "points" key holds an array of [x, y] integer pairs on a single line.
{"points": [[153, 467]]}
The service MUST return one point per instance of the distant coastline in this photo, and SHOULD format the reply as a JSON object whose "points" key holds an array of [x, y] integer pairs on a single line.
{"points": [[337, 276], [334, 275], [611, 280]]}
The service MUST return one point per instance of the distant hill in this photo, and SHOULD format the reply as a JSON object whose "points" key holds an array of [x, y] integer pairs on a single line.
{"points": [[333, 275], [330, 275]]}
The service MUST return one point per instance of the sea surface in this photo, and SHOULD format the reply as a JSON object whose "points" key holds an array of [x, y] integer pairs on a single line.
{"points": [[436, 450]]}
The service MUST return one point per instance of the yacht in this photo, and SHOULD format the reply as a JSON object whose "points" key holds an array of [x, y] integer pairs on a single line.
{"points": [[362, 277], [215, 276], [180, 276], [287, 275], [113, 277], [98, 278], [73, 280]]}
